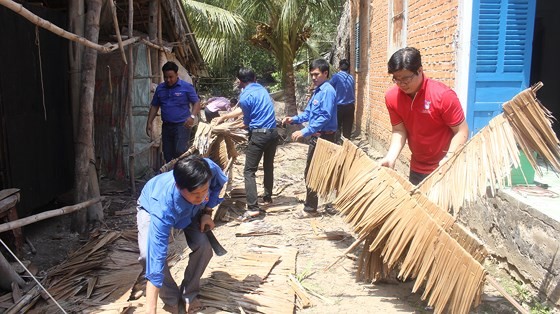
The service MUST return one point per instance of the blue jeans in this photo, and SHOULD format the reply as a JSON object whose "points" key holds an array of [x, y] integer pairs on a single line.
{"points": [[175, 139]]}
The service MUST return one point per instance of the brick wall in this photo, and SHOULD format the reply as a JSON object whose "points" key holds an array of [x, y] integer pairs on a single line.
{"points": [[431, 28]]}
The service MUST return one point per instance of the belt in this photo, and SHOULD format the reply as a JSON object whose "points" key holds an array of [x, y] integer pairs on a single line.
{"points": [[318, 134], [350, 103], [173, 123], [262, 130]]}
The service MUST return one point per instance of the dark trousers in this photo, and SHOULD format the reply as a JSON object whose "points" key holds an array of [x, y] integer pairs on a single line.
{"points": [[416, 177], [210, 115], [260, 144], [201, 253], [175, 139], [311, 199], [345, 119]]}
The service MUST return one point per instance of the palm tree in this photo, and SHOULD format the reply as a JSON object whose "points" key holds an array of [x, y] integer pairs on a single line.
{"points": [[281, 27]]}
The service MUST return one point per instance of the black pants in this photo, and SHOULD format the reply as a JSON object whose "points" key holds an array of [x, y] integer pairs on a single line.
{"points": [[260, 144], [311, 199], [345, 119], [416, 177]]}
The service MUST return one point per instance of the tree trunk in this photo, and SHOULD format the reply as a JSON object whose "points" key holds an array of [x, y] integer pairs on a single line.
{"points": [[86, 182], [290, 90]]}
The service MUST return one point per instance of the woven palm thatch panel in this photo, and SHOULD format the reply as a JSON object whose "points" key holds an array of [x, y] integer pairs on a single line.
{"points": [[216, 142], [401, 228], [255, 282], [487, 158]]}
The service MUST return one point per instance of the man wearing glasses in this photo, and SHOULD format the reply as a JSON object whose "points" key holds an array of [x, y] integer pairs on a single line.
{"points": [[424, 112]]}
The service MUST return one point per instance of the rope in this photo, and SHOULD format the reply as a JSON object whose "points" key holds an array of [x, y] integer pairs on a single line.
{"points": [[38, 43], [30, 274]]}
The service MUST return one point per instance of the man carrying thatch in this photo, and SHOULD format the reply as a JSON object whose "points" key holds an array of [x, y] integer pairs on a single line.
{"points": [[321, 115], [424, 112], [180, 199], [174, 96], [257, 108]]}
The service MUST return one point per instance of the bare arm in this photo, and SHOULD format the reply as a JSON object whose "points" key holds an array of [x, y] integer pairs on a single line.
{"points": [[195, 110], [398, 139], [151, 116], [152, 293], [461, 134], [234, 114]]}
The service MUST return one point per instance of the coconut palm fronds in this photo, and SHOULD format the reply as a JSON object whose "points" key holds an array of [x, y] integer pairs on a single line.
{"points": [[485, 161]]}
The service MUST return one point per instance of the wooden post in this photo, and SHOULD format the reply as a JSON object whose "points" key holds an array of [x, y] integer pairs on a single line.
{"points": [[131, 100], [117, 30], [86, 184], [75, 54]]}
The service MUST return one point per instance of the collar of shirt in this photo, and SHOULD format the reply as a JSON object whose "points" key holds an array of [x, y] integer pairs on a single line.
{"points": [[178, 83], [180, 203]]}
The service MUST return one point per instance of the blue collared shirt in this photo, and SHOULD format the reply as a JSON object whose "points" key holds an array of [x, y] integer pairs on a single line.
{"points": [[343, 84], [257, 107], [162, 199], [320, 111], [175, 101]]}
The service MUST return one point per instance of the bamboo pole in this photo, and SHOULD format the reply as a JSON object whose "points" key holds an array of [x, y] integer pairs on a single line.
{"points": [[19, 9], [131, 100], [117, 30], [511, 300], [48, 214], [9, 275]]}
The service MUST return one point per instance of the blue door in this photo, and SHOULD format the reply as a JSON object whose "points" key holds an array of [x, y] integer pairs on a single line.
{"points": [[500, 65]]}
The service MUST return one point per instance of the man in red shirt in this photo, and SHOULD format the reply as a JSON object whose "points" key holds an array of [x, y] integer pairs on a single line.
{"points": [[423, 111]]}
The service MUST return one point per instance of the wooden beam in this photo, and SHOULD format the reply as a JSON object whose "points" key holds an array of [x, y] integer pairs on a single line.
{"points": [[45, 215], [19, 9]]}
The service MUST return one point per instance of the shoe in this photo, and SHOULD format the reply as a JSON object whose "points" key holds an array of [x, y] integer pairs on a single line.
{"points": [[306, 212], [249, 214], [267, 200], [174, 309], [194, 306]]}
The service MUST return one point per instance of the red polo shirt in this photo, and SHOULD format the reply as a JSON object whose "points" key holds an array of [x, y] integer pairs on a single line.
{"points": [[427, 119]]}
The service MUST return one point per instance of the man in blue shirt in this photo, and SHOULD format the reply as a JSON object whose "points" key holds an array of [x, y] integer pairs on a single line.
{"points": [[257, 108], [174, 96], [321, 115], [343, 84], [180, 199]]}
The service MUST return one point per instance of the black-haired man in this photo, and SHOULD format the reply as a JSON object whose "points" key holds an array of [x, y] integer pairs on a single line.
{"points": [[180, 199], [343, 84], [257, 108], [424, 112], [321, 115], [174, 96]]}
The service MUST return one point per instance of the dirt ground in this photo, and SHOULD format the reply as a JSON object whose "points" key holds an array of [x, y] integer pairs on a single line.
{"points": [[331, 291]]}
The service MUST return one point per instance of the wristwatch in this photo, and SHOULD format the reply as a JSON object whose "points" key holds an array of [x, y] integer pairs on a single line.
{"points": [[207, 211], [193, 116]]}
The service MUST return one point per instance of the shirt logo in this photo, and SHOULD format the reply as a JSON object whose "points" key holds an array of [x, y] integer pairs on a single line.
{"points": [[177, 94], [426, 106], [315, 101]]}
